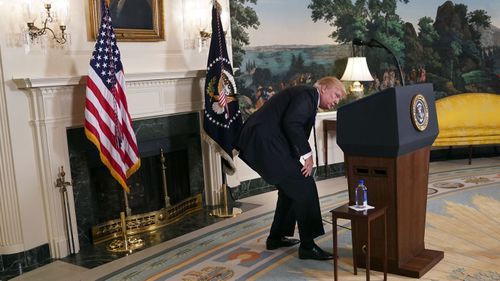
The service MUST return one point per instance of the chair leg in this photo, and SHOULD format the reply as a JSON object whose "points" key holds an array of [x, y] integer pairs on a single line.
{"points": [[335, 249], [354, 243]]}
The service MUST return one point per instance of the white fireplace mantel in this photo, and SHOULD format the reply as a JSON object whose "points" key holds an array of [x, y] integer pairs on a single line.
{"points": [[25, 83]]}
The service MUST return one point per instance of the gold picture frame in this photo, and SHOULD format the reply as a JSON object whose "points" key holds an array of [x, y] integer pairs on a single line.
{"points": [[146, 23]]}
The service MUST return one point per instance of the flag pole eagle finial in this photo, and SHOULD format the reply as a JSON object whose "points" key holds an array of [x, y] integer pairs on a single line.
{"points": [[218, 6]]}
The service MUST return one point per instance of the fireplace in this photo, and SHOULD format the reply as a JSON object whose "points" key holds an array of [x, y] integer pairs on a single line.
{"points": [[99, 198]]}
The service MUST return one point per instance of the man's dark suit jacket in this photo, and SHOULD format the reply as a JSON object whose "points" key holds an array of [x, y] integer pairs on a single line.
{"points": [[275, 136]]}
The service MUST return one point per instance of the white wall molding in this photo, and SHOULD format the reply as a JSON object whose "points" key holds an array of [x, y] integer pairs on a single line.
{"points": [[47, 82], [11, 238]]}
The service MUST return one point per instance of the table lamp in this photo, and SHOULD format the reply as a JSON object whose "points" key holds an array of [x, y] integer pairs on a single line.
{"points": [[355, 71]]}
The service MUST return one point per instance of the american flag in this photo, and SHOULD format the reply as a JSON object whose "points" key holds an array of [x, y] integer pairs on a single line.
{"points": [[107, 121]]}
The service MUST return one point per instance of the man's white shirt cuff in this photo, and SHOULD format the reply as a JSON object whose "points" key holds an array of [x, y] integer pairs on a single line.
{"points": [[304, 157]]}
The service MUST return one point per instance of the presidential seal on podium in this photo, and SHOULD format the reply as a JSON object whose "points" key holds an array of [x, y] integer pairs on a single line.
{"points": [[419, 112]]}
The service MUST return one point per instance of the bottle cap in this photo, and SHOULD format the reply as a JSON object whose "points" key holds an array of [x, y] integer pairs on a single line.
{"points": [[361, 182]]}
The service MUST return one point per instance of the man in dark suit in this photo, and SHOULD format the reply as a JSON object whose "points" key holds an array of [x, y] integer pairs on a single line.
{"points": [[274, 142]]}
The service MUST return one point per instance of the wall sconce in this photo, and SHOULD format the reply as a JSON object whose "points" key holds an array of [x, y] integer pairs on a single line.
{"points": [[55, 12], [203, 39], [355, 71], [197, 18]]}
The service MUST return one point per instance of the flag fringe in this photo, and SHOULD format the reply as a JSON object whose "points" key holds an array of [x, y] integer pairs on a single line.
{"points": [[230, 168], [106, 162]]}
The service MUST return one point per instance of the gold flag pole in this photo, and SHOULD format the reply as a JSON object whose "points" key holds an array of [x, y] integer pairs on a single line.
{"points": [[128, 210], [225, 211], [126, 243], [124, 231]]}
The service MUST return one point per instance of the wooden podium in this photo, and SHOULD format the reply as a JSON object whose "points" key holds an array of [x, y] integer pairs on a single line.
{"points": [[386, 139]]}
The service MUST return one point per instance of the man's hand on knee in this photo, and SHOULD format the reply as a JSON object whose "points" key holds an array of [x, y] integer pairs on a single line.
{"points": [[307, 168]]}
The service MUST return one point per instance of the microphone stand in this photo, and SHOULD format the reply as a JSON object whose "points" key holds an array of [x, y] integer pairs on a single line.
{"points": [[395, 60], [380, 45]]}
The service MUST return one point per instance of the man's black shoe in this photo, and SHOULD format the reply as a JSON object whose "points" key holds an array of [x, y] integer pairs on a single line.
{"points": [[273, 244], [316, 253]]}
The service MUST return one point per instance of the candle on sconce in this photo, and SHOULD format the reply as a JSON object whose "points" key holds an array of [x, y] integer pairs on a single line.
{"points": [[62, 11], [30, 10], [47, 2]]}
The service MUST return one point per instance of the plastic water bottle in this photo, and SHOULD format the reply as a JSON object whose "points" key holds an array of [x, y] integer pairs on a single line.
{"points": [[361, 195]]}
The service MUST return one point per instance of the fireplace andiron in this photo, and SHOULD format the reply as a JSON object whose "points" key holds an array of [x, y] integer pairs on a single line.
{"points": [[61, 183]]}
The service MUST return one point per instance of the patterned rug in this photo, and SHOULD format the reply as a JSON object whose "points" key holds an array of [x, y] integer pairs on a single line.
{"points": [[462, 220]]}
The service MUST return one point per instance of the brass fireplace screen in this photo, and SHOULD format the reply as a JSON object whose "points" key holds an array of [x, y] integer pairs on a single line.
{"points": [[146, 222]]}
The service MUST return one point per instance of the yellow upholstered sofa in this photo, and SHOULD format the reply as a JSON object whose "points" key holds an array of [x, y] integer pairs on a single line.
{"points": [[468, 119]]}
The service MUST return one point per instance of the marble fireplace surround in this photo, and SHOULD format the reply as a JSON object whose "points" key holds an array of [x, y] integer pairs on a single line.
{"points": [[57, 104]]}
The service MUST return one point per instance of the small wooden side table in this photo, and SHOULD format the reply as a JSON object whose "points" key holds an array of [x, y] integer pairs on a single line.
{"points": [[344, 212], [328, 125]]}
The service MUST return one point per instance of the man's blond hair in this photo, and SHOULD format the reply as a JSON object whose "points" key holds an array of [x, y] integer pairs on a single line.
{"points": [[329, 82]]}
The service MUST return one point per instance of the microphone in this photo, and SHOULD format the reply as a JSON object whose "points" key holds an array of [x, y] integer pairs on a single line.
{"points": [[376, 44], [359, 42]]}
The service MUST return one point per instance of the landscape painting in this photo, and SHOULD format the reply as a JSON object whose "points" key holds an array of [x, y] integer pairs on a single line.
{"points": [[452, 44]]}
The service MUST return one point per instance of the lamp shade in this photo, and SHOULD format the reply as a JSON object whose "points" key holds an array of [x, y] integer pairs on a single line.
{"points": [[357, 70]]}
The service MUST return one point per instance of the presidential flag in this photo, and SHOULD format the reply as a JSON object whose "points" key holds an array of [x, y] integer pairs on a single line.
{"points": [[222, 119], [107, 121]]}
